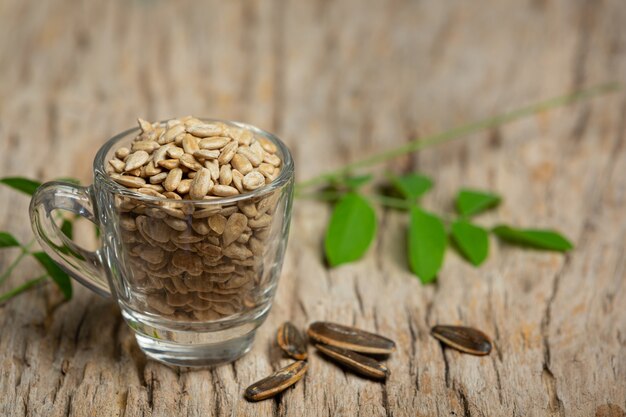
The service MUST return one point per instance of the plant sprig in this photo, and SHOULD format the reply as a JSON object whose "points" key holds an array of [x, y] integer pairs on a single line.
{"points": [[7, 240], [352, 227]]}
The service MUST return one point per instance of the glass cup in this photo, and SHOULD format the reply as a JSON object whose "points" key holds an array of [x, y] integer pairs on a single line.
{"points": [[194, 278]]}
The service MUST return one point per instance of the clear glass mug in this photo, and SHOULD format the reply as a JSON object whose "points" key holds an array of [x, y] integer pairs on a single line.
{"points": [[194, 278]]}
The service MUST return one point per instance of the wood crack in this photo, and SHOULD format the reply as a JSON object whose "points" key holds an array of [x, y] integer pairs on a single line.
{"points": [[412, 363]]}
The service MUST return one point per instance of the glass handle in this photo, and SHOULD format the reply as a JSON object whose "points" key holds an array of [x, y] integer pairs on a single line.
{"points": [[83, 265]]}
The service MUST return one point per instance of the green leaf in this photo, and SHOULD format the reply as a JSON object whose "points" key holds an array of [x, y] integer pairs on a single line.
{"points": [[21, 184], [67, 228], [351, 229], [471, 202], [7, 240], [411, 186], [357, 181], [534, 238], [472, 241], [56, 273], [427, 244]]}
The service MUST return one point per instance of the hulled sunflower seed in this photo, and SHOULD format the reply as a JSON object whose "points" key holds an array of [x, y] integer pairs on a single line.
{"points": [[136, 160], [291, 341], [464, 339], [205, 130], [361, 364], [241, 164], [129, 181], [214, 143], [350, 338], [253, 180], [276, 382], [201, 184], [173, 179]]}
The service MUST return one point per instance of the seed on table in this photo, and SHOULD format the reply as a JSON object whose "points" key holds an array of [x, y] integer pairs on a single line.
{"points": [[136, 160], [277, 382], [350, 338], [464, 339], [253, 180], [291, 341], [361, 364], [173, 179]]}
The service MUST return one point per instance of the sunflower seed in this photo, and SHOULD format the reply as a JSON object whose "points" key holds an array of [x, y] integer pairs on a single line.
{"points": [[171, 134], [136, 159], [361, 364], [173, 179], [350, 338], [204, 130], [213, 143], [253, 180], [276, 382], [129, 181], [291, 341], [122, 153], [201, 184], [464, 339]]}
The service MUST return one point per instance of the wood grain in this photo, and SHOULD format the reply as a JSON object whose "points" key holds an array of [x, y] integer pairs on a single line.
{"points": [[338, 81]]}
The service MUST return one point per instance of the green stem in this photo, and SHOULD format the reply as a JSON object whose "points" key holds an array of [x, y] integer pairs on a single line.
{"points": [[20, 289], [25, 251], [458, 132], [384, 200]]}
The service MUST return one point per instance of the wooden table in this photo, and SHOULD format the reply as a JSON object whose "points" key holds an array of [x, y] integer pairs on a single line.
{"points": [[340, 81]]}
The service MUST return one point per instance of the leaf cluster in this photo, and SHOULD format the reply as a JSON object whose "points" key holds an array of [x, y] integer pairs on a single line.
{"points": [[352, 226]]}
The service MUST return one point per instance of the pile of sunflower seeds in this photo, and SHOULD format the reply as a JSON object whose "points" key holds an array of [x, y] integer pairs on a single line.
{"points": [[348, 346], [190, 261]]}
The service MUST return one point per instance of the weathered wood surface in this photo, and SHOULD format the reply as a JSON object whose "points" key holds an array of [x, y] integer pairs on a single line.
{"points": [[338, 81]]}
